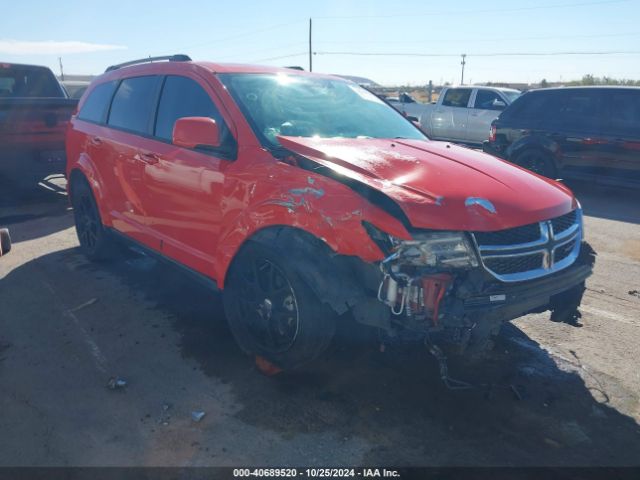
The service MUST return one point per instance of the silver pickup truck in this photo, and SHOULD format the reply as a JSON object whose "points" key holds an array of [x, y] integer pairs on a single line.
{"points": [[461, 114]]}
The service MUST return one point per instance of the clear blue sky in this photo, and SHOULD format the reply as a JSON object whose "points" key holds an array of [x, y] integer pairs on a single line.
{"points": [[256, 32]]}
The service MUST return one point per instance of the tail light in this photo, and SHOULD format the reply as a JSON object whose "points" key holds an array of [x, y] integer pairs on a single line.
{"points": [[492, 133]]}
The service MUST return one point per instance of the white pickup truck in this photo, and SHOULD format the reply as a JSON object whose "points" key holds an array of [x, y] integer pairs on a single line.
{"points": [[461, 114]]}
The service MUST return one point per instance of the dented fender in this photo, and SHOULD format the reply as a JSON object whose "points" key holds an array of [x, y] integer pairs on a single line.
{"points": [[320, 206]]}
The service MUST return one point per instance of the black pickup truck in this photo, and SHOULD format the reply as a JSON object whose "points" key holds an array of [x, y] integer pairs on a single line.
{"points": [[34, 113]]}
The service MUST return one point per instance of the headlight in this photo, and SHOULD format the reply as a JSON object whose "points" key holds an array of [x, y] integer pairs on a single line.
{"points": [[439, 249]]}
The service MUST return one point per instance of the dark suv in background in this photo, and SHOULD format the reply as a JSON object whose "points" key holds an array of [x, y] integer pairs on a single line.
{"points": [[576, 132]]}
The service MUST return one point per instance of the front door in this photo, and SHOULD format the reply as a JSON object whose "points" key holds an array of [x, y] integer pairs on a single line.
{"points": [[450, 117], [183, 188], [487, 105]]}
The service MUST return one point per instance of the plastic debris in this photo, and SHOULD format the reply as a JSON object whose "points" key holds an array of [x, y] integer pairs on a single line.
{"points": [[116, 383], [165, 417], [266, 367], [196, 416]]}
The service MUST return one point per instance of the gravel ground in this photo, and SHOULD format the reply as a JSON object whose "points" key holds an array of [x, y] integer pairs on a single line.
{"points": [[553, 394]]}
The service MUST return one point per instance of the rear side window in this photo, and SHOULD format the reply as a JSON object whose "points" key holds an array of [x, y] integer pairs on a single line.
{"points": [[534, 107], [183, 97], [133, 105], [581, 110], [457, 97], [624, 118], [94, 108]]}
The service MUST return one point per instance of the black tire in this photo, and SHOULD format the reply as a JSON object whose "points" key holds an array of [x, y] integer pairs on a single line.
{"points": [[538, 162], [272, 312], [5, 241], [94, 239]]}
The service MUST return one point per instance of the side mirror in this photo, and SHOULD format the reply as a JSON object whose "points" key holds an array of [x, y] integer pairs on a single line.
{"points": [[499, 104], [5, 241], [192, 132]]}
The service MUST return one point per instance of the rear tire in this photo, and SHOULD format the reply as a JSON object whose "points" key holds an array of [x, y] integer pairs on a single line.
{"points": [[94, 239], [272, 312], [538, 162]]}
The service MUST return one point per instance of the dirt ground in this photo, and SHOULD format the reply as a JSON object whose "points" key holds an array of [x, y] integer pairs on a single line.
{"points": [[552, 394]]}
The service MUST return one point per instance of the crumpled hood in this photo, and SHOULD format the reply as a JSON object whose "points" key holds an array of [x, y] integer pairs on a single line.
{"points": [[440, 185]]}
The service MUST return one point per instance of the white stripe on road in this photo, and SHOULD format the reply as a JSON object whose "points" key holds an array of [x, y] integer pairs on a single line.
{"points": [[610, 315], [96, 353]]}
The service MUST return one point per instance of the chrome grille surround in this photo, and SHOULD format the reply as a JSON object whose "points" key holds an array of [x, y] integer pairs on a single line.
{"points": [[550, 252]]}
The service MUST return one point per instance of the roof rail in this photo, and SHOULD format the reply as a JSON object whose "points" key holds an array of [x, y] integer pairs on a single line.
{"points": [[172, 58]]}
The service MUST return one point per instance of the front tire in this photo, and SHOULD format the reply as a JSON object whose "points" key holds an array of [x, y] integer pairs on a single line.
{"points": [[538, 162], [272, 312], [94, 239]]}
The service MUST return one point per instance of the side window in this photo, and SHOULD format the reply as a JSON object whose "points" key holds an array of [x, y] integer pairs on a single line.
{"points": [[96, 105], [580, 110], [457, 97], [488, 100], [624, 108], [134, 103], [534, 108], [184, 97]]}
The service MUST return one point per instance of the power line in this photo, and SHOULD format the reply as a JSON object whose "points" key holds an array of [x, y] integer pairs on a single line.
{"points": [[497, 54], [469, 12], [261, 50], [239, 35], [279, 57], [481, 40]]}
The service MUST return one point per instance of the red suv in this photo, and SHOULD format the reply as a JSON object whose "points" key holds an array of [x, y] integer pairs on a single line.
{"points": [[304, 197]]}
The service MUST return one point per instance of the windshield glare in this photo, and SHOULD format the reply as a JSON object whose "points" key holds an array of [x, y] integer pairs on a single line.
{"points": [[301, 106]]}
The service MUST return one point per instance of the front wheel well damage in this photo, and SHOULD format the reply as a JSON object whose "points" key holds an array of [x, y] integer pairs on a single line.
{"points": [[339, 281]]}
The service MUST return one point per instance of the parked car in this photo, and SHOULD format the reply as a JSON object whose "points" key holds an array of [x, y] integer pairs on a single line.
{"points": [[575, 132], [275, 186], [34, 113], [5, 241], [462, 114], [75, 88], [407, 105]]}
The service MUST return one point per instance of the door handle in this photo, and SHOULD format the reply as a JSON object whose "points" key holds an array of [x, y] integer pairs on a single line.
{"points": [[97, 141], [148, 158]]}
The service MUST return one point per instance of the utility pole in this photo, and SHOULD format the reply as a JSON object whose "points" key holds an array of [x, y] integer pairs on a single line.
{"points": [[463, 62], [61, 69], [310, 51]]}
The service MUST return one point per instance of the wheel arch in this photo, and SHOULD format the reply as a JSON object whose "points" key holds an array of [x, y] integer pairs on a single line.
{"points": [[85, 168], [328, 274], [534, 142]]}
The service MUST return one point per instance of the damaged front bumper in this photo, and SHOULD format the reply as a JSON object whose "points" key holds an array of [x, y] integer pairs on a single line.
{"points": [[450, 305]]}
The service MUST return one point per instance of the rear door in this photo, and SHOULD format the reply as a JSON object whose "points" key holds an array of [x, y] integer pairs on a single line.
{"points": [[621, 129], [577, 130], [91, 137], [183, 187], [131, 124], [487, 105], [449, 119]]}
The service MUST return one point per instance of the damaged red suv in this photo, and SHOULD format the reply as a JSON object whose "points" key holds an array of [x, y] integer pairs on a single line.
{"points": [[304, 197]]}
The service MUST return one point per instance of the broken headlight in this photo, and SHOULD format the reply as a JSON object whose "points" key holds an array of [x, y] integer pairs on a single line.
{"points": [[441, 249], [438, 249]]}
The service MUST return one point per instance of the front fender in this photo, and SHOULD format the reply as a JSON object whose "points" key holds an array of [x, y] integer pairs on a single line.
{"points": [[321, 207]]}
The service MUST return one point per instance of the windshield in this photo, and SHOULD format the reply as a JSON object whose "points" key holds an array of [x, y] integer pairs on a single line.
{"points": [[301, 106], [511, 95]]}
